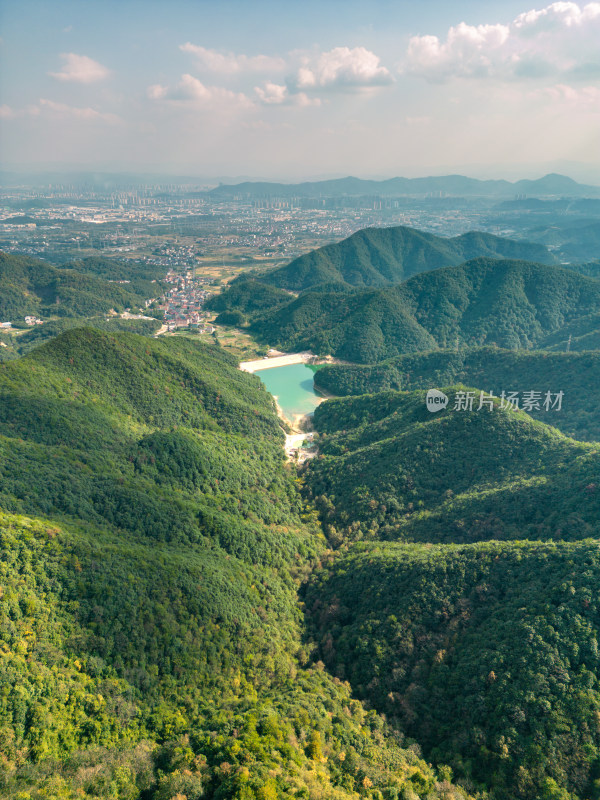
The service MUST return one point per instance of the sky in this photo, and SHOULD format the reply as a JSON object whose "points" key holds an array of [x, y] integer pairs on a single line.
{"points": [[299, 89]]}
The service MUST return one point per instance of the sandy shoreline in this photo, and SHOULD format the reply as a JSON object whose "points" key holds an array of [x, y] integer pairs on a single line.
{"points": [[276, 361]]}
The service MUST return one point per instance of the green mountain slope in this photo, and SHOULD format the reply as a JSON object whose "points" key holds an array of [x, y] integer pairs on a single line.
{"points": [[247, 297], [385, 256], [358, 326], [591, 268], [581, 334], [116, 269], [151, 544], [388, 468], [497, 370], [487, 653], [18, 344], [30, 286], [86, 392], [513, 304], [575, 239]]}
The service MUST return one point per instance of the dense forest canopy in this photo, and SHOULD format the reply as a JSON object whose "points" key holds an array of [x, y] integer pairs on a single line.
{"points": [[495, 369], [185, 615], [390, 469], [512, 304], [151, 544], [386, 256], [486, 653], [29, 286]]}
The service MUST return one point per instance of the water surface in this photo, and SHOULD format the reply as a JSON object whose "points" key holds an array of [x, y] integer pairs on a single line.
{"points": [[293, 388]]}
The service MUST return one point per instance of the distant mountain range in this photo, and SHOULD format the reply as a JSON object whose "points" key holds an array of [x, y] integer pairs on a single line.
{"points": [[552, 184], [459, 185]]}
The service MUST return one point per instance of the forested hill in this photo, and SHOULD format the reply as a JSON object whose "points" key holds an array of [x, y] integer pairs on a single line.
{"points": [[388, 468], [479, 644], [151, 543], [513, 304], [497, 370], [486, 653], [29, 286], [385, 256]]}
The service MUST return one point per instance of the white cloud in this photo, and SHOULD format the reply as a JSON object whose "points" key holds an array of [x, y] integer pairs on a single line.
{"points": [[561, 39], [278, 94], [467, 51], [6, 112], [341, 68], [272, 93], [557, 16], [302, 99], [230, 63], [309, 74], [80, 69], [192, 92]]}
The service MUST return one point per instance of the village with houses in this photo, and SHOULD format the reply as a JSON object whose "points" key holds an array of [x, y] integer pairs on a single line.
{"points": [[182, 304]]}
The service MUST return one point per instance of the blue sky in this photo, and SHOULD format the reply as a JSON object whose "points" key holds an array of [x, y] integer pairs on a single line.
{"points": [[286, 89]]}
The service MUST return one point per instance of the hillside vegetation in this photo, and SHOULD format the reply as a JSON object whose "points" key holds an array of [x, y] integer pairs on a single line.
{"points": [[184, 615], [513, 304], [151, 544], [486, 653], [390, 469], [386, 256], [247, 297], [29, 286], [479, 644], [115, 269], [497, 370], [20, 343]]}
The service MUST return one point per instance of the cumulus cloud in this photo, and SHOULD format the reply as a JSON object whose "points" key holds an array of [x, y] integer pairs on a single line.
{"points": [[560, 39], [231, 63], [80, 69], [272, 93], [6, 112], [192, 92], [279, 94], [556, 17], [342, 68], [308, 75], [468, 51]]}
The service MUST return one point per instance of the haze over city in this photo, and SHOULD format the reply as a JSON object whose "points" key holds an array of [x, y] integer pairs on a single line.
{"points": [[302, 90]]}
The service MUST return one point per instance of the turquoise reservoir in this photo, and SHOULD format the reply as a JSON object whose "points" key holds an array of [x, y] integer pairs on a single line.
{"points": [[293, 388]]}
